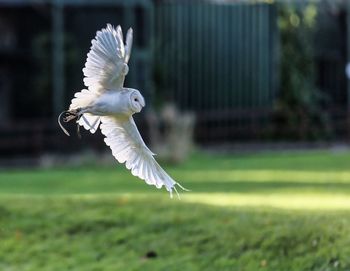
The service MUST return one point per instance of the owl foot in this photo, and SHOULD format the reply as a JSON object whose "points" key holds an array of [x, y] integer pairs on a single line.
{"points": [[68, 116]]}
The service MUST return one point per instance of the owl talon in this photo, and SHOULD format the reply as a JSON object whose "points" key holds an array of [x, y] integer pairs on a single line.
{"points": [[68, 116], [71, 115]]}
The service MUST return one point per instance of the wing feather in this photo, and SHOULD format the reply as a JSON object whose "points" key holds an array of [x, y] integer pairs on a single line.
{"points": [[106, 63], [105, 69], [128, 44], [128, 147]]}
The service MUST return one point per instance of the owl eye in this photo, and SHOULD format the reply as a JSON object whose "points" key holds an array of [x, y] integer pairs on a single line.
{"points": [[136, 100]]}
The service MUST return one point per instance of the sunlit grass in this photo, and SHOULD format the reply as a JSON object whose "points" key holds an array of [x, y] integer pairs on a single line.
{"points": [[284, 201], [298, 176], [272, 211], [303, 202], [303, 173]]}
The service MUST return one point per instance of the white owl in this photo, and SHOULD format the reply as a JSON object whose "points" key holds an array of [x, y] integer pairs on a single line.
{"points": [[106, 103]]}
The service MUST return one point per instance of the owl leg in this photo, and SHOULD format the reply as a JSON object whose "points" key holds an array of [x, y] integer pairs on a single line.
{"points": [[66, 116], [70, 115]]}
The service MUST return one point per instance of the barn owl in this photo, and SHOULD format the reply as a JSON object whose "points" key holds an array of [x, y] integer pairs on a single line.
{"points": [[108, 105]]}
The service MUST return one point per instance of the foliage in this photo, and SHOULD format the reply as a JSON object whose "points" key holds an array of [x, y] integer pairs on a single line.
{"points": [[300, 106], [104, 219]]}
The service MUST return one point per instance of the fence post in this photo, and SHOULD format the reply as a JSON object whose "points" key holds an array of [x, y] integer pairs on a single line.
{"points": [[57, 56], [348, 61]]}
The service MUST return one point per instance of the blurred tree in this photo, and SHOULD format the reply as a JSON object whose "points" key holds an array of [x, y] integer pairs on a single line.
{"points": [[300, 105]]}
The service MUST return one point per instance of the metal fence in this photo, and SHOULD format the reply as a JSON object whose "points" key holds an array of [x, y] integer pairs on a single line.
{"points": [[43, 49], [218, 59], [222, 60]]}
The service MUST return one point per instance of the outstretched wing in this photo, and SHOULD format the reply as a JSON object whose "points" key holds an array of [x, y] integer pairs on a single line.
{"points": [[106, 63], [105, 68], [128, 147]]}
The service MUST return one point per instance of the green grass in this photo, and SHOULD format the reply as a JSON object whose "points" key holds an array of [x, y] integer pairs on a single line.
{"points": [[270, 211]]}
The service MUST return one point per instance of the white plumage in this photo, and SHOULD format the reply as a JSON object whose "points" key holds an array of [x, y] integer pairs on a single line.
{"points": [[106, 103]]}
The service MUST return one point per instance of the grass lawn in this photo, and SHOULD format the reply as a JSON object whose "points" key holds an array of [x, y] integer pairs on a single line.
{"points": [[270, 211]]}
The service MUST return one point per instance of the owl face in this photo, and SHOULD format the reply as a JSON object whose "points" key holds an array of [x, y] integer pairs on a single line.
{"points": [[136, 101]]}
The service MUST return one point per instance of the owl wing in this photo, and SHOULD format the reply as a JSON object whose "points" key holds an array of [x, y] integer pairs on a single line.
{"points": [[128, 147], [106, 63], [105, 68]]}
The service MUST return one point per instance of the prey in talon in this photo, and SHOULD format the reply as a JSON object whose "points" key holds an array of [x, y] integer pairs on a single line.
{"points": [[107, 104], [68, 116]]}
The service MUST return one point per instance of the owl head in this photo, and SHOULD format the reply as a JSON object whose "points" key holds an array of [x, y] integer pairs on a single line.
{"points": [[136, 101]]}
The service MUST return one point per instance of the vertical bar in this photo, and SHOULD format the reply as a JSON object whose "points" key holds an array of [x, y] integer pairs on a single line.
{"points": [[348, 61], [264, 55], [193, 42], [239, 75], [178, 52], [249, 35], [204, 57], [173, 63], [221, 59], [151, 45], [185, 58], [198, 60], [246, 19], [129, 21], [255, 46], [255, 28], [58, 56], [200, 64], [166, 69], [275, 43], [213, 74], [348, 51], [260, 54], [234, 65]]}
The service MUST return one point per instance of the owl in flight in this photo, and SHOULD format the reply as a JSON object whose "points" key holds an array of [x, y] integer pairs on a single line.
{"points": [[108, 105]]}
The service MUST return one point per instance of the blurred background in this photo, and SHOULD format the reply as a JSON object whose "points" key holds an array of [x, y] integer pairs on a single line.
{"points": [[249, 71], [248, 105]]}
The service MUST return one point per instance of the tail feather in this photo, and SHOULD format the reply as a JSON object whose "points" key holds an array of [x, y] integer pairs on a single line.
{"points": [[90, 122]]}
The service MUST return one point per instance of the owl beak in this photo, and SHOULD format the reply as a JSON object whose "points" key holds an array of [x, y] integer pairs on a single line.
{"points": [[142, 102]]}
